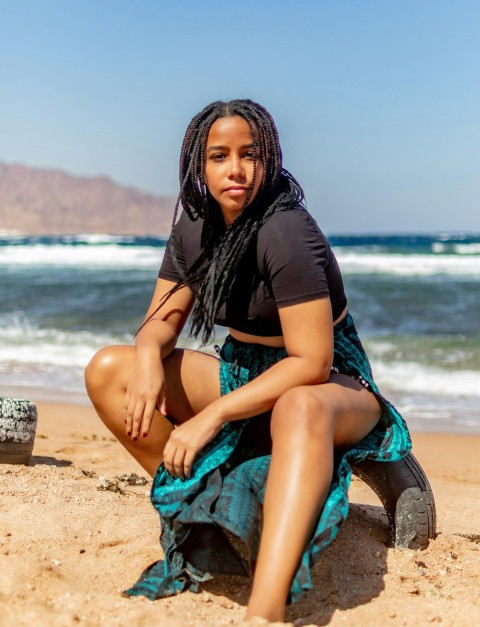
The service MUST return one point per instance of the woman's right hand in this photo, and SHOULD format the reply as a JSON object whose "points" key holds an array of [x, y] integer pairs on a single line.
{"points": [[154, 341], [145, 393]]}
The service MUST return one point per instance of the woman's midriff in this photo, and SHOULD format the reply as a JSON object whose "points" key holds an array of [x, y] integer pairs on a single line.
{"points": [[275, 341]]}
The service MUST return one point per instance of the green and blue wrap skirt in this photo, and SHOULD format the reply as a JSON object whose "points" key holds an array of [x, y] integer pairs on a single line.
{"points": [[206, 518]]}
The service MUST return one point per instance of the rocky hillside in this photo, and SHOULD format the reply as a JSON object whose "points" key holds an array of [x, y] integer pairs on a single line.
{"points": [[50, 202]]}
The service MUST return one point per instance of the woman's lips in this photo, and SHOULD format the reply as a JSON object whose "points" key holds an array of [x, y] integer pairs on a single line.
{"points": [[233, 192]]}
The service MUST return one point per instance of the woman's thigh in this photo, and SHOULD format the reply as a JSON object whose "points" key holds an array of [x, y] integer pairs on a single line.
{"points": [[355, 410], [192, 383], [341, 410]]}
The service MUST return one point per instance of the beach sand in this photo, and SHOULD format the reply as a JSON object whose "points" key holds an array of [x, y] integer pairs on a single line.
{"points": [[68, 549]]}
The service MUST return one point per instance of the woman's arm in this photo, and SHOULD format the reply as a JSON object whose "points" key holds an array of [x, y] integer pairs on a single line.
{"points": [[308, 333], [155, 340]]}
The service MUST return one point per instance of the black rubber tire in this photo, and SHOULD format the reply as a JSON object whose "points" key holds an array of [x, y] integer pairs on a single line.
{"points": [[407, 497], [18, 422]]}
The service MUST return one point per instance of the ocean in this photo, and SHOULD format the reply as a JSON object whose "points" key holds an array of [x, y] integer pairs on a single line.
{"points": [[415, 300]]}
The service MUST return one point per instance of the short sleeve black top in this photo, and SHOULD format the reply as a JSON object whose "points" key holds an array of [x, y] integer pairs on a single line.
{"points": [[291, 262]]}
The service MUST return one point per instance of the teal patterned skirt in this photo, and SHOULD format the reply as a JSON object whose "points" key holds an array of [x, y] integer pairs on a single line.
{"points": [[211, 522]]}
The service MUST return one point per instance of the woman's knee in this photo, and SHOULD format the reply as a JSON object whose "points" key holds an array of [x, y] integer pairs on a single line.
{"points": [[305, 409], [104, 367]]}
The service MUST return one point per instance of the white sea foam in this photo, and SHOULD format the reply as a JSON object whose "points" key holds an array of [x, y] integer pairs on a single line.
{"points": [[106, 251], [22, 345], [412, 377], [106, 255], [408, 265], [439, 247], [44, 354], [473, 248], [467, 249], [97, 238]]}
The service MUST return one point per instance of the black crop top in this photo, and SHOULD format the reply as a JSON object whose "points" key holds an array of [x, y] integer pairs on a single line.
{"points": [[291, 263]]}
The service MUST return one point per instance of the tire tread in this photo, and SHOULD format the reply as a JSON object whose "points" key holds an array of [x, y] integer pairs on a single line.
{"points": [[407, 497]]}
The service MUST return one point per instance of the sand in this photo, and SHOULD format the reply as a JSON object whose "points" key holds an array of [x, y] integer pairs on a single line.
{"points": [[68, 549]]}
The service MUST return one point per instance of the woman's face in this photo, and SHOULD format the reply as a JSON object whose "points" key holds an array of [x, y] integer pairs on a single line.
{"points": [[229, 168]]}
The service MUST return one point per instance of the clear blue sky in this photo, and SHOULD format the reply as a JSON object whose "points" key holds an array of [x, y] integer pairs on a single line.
{"points": [[377, 102]]}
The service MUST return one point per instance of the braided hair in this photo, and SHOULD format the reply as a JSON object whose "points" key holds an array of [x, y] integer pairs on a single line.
{"points": [[212, 276]]}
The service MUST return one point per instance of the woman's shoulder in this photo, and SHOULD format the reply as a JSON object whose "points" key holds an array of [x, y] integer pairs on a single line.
{"points": [[185, 224], [187, 233], [291, 225]]}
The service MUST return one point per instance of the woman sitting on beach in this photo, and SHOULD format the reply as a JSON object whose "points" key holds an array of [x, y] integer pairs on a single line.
{"points": [[263, 435]]}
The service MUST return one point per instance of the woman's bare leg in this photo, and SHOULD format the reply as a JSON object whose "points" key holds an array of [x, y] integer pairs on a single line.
{"points": [[307, 422], [192, 383]]}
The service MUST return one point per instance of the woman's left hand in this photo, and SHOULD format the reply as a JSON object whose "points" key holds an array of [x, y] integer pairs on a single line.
{"points": [[187, 440]]}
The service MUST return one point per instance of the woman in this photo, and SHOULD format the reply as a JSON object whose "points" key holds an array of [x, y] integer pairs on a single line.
{"points": [[290, 401]]}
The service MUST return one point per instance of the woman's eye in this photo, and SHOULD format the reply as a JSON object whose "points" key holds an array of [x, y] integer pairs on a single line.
{"points": [[252, 155], [217, 157]]}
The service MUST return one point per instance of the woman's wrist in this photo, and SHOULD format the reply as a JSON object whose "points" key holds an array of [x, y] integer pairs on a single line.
{"points": [[147, 353], [158, 344], [225, 411], [218, 413]]}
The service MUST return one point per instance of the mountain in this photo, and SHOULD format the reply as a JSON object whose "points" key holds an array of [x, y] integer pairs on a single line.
{"points": [[38, 201]]}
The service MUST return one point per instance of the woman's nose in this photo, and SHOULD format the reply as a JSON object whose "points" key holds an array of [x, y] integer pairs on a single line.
{"points": [[236, 167]]}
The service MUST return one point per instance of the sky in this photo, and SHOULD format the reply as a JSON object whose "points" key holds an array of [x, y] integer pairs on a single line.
{"points": [[377, 102]]}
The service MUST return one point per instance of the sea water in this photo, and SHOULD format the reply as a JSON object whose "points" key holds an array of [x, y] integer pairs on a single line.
{"points": [[415, 300]]}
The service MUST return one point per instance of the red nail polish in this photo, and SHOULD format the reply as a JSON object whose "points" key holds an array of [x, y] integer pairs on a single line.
{"points": [[135, 439], [129, 433], [145, 435]]}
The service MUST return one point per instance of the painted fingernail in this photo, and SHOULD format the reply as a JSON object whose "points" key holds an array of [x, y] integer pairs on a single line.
{"points": [[129, 433], [145, 435], [135, 439]]}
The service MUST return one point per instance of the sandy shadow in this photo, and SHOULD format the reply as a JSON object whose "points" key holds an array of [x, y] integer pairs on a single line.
{"points": [[350, 572], [49, 461]]}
